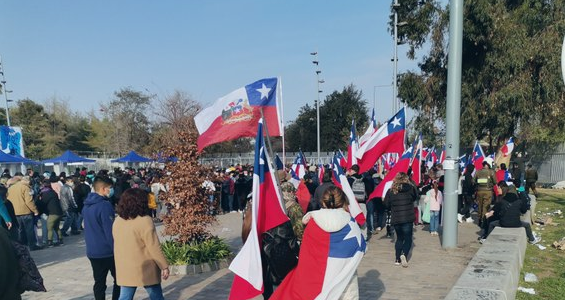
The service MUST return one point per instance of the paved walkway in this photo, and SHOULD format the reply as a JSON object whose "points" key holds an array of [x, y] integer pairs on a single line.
{"points": [[431, 272]]}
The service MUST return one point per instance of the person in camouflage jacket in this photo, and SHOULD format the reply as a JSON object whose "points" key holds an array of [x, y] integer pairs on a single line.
{"points": [[293, 209]]}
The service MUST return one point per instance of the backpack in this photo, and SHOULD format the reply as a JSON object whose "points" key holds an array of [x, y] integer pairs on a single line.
{"points": [[281, 248], [358, 187]]}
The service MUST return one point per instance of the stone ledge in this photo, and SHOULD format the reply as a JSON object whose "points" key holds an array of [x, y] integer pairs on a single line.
{"points": [[201, 268], [494, 271]]}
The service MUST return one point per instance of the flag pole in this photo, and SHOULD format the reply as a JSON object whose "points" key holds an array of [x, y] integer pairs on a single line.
{"points": [[270, 162], [282, 120]]}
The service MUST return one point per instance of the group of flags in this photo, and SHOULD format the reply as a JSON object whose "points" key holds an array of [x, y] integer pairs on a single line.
{"points": [[242, 113]]}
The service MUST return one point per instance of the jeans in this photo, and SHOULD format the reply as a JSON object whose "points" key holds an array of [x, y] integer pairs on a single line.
{"points": [[371, 215], [100, 269], [26, 236], [434, 221], [43, 219], [526, 226], [381, 213], [71, 219], [155, 292], [403, 239]]}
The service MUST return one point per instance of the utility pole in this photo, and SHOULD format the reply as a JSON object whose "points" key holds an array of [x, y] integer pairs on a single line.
{"points": [[5, 92], [318, 91], [453, 112]]}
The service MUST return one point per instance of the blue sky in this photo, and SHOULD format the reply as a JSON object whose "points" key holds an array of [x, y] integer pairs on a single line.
{"points": [[83, 51]]}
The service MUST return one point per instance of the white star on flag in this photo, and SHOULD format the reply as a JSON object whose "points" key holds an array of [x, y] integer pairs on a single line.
{"points": [[264, 91], [355, 232], [395, 122]]}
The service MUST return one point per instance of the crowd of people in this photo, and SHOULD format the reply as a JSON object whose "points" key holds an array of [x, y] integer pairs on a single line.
{"points": [[114, 210], [492, 196], [118, 209]]}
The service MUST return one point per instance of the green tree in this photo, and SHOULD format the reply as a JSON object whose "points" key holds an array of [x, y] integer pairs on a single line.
{"points": [[128, 114], [511, 84], [35, 124], [336, 113]]}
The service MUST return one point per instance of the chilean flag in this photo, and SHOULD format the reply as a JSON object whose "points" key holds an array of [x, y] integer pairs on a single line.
{"points": [[431, 158], [278, 162], [442, 155], [294, 179], [236, 114], [370, 129], [508, 147], [389, 138], [463, 162], [478, 156], [299, 165], [352, 147], [340, 180], [266, 213], [401, 166], [327, 260], [321, 171], [342, 160], [417, 161]]}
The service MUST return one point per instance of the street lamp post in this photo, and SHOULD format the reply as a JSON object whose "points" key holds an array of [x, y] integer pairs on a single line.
{"points": [[318, 91], [395, 102], [5, 91]]}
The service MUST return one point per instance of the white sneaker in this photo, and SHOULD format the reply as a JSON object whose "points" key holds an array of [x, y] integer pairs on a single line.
{"points": [[403, 261], [469, 220], [460, 218], [536, 240]]}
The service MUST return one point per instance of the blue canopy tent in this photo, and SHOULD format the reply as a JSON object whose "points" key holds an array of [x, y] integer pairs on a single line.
{"points": [[12, 162], [132, 157], [27, 161], [67, 158]]}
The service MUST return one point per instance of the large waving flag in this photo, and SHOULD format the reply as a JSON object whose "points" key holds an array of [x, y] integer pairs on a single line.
{"points": [[340, 180], [401, 166], [478, 156], [370, 129], [236, 114], [508, 147], [388, 138], [267, 213], [327, 261], [352, 147]]}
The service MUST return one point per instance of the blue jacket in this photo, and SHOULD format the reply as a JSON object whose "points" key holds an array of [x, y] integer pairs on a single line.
{"points": [[98, 216]]}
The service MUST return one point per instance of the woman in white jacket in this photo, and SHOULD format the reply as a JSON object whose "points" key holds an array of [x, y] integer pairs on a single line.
{"points": [[331, 250]]}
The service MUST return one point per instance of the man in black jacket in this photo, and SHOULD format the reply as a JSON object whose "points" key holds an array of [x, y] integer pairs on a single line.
{"points": [[510, 208]]}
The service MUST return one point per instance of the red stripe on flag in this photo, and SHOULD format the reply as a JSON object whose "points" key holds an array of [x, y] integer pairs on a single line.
{"points": [[244, 290], [393, 143]]}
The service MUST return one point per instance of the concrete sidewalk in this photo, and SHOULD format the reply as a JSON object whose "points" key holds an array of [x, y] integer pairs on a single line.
{"points": [[431, 273]]}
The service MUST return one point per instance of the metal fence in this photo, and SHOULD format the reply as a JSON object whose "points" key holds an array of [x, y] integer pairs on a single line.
{"points": [[224, 160], [552, 169]]}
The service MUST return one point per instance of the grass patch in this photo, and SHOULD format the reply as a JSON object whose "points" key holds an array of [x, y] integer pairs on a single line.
{"points": [[549, 264]]}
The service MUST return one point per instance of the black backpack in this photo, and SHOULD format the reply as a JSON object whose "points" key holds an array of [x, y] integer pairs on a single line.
{"points": [[281, 249]]}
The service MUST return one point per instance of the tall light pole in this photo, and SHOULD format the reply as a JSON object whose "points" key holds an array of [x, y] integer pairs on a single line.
{"points": [[5, 91], [395, 102], [316, 62]]}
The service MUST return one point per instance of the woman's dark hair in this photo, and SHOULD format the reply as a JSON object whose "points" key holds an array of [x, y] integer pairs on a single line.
{"points": [[334, 197], [133, 203]]}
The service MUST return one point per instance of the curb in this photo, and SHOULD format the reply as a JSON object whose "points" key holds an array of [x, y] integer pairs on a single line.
{"points": [[201, 268]]}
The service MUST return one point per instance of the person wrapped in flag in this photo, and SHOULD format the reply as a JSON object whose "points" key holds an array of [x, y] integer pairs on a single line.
{"points": [[331, 250]]}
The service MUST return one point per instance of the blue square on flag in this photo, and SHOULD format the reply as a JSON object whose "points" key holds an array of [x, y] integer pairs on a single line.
{"points": [[262, 92], [396, 123]]}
